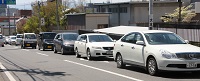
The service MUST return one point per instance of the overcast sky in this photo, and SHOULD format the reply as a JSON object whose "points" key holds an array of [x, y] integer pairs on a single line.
{"points": [[26, 4]]}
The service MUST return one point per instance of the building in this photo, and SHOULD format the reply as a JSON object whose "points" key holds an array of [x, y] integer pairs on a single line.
{"points": [[134, 12], [87, 21]]}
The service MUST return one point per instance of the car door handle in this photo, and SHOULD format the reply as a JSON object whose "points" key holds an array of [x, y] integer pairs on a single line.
{"points": [[122, 45], [133, 47]]}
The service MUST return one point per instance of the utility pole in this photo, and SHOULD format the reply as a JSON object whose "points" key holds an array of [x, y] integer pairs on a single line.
{"points": [[57, 16], [150, 14], [39, 16], [8, 14], [179, 13], [14, 23]]}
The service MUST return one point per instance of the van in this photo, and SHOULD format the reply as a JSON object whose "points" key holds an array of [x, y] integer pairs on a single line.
{"points": [[45, 40], [29, 40], [18, 39]]}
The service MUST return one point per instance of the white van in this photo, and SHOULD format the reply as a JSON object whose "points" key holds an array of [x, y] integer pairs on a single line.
{"points": [[29, 40], [18, 39]]}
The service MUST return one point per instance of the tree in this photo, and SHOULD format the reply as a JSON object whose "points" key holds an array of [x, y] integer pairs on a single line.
{"points": [[186, 15]]}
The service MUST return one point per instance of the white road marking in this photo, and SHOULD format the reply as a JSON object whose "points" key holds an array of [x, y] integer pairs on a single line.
{"points": [[42, 54], [10, 77], [16, 47], [25, 49], [83, 59], [110, 72]]}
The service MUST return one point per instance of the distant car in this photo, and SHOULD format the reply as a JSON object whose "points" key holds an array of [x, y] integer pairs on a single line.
{"points": [[18, 39], [94, 45], [45, 40], [64, 42], [156, 50], [29, 40], [12, 40], [6, 39], [1, 40]]}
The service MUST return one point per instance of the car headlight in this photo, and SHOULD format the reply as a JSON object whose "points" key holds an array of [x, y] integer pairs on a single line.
{"points": [[96, 47], [167, 54]]}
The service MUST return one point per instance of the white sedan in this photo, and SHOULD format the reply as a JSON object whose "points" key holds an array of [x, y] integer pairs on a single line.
{"points": [[94, 45], [156, 50]]}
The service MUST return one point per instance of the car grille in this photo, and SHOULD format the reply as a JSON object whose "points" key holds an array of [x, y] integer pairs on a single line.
{"points": [[108, 48], [188, 56]]}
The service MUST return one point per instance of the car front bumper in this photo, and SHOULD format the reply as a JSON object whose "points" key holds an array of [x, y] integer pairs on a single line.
{"points": [[101, 53], [48, 46], [179, 65], [68, 49]]}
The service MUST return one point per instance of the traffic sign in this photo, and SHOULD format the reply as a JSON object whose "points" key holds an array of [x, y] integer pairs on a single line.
{"points": [[42, 21], [11, 2], [2, 2]]}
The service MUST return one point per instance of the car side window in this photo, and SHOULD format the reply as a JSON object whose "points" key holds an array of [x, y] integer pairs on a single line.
{"points": [[58, 36], [138, 37], [129, 38], [83, 37]]}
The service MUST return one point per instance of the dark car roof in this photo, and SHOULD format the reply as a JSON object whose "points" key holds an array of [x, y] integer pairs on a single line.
{"points": [[68, 33]]}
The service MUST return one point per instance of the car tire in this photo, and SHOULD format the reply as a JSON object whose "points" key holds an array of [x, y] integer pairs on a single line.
{"points": [[89, 57], [152, 67], [2, 45], [119, 61], [77, 54], [54, 49], [62, 51]]}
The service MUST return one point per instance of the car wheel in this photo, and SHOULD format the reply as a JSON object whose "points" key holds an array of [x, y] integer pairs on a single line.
{"points": [[77, 54], [54, 49], [2, 45], [119, 60], [89, 57], [62, 51], [152, 66]]}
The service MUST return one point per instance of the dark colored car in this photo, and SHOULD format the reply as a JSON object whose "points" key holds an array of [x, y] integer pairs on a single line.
{"points": [[45, 40], [64, 42]]}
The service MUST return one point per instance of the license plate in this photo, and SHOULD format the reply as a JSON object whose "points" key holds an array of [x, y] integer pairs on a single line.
{"points": [[109, 52], [28, 45], [49, 46], [191, 65]]}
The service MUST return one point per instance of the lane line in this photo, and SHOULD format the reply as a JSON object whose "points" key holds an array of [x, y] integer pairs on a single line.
{"points": [[42, 54], [110, 72], [25, 49], [105, 61], [10, 77], [83, 59]]}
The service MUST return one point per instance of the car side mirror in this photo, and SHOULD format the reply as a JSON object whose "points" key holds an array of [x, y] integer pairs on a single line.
{"points": [[187, 41], [140, 43], [114, 40]]}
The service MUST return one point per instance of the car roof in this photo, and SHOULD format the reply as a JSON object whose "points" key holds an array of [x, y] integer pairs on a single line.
{"points": [[93, 34], [153, 31], [19, 34], [47, 32], [67, 33]]}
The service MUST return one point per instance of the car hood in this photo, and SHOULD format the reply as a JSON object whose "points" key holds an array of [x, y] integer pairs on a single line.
{"points": [[177, 48], [103, 44], [68, 42]]}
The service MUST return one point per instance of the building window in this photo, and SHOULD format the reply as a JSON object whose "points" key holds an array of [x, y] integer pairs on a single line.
{"points": [[103, 10], [123, 10]]}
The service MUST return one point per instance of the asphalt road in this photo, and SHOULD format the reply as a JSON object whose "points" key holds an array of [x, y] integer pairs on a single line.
{"points": [[34, 65]]}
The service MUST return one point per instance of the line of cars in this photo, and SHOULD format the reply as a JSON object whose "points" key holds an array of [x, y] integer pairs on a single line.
{"points": [[154, 50], [12, 40]]}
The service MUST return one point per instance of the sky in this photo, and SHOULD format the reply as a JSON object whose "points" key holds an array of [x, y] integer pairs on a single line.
{"points": [[26, 4]]}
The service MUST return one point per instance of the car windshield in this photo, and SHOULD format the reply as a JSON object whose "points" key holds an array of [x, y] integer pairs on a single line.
{"points": [[13, 37], [70, 37], [100, 38], [19, 36], [30, 36], [49, 35], [163, 38]]}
